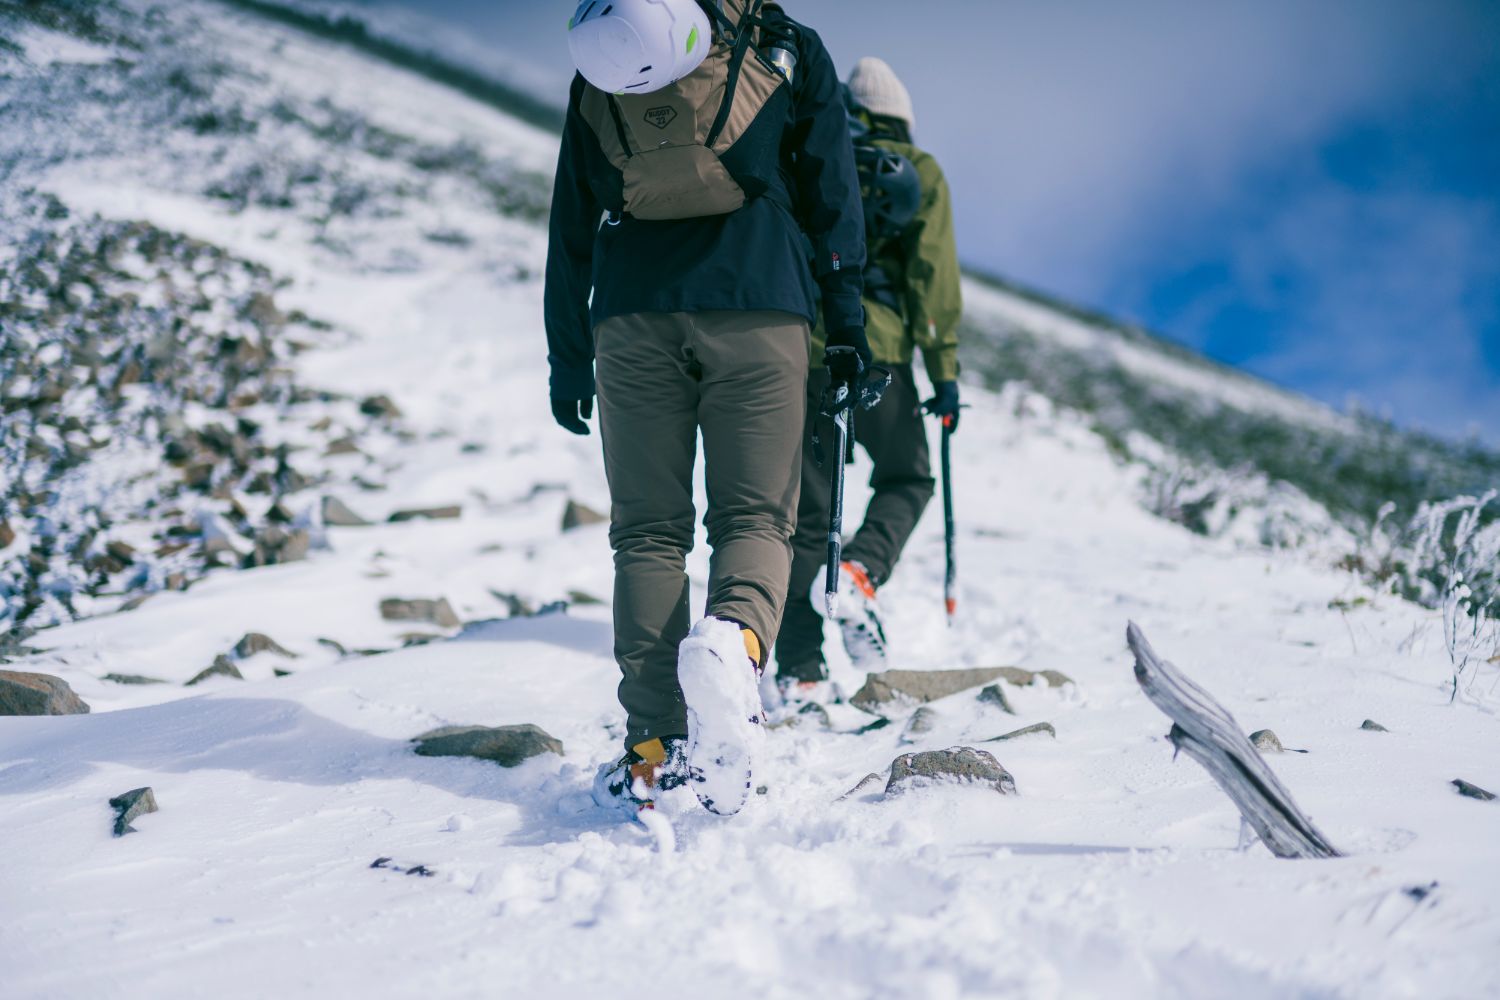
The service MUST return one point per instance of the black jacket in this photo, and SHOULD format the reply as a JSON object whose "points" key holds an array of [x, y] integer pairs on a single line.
{"points": [[753, 258]]}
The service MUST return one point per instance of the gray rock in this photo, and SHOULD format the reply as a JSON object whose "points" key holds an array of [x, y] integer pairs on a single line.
{"points": [[337, 514], [447, 513], [1472, 791], [923, 721], [380, 406], [222, 667], [505, 745], [134, 803], [437, 612], [333, 644], [37, 694], [1370, 725], [576, 515], [131, 679], [1040, 727], [583, 598], [994, 695], [1266, 741], [963, 764], [258, 642], [869, 784], [928, 685]]}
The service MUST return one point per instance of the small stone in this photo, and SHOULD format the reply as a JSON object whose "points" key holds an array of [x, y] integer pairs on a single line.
{"points": [[1040, 727], [576, 515], [583, 598], [994, 695], [380, 406], [37, 694], [7, 534], [1370, 725], [135, 602], [342, 446], [507, 746], [964, 764], [869, 784], [928, 685], [222, 667], [277, 671], [257, 642], [1266, 741], [515, 604], [923, 721], [337, 514], [131, 679], [1472, 791], [134, 803], [333, 644], [437, 612], [447, 513], [120, 552]]}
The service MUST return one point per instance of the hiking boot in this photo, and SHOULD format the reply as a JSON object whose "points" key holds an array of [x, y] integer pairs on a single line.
{"points": [[718, 667], [858, 617], [635, 779]]}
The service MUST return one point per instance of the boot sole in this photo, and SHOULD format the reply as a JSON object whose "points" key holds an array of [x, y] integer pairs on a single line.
{"points": [[724, 726]]}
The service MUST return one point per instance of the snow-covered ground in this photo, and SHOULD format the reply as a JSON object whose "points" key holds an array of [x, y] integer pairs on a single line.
{"points": [[1112, 873]]}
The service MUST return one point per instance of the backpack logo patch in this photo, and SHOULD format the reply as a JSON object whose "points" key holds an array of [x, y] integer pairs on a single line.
{"points": [[661, 117]]}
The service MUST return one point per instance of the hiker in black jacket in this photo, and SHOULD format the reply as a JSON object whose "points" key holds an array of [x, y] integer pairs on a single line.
{"points": [[702, 300]]}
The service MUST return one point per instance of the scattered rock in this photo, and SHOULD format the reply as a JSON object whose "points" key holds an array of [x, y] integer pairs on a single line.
{"points": [[994, 695], [418, 638], [343, 446], [134, 803], [37, 694], [437, 612], [1040, 727], [1266, 741], [257, 642], [515, 604], [131, 679], [380, 406], [1370, 725], [447, 513], [337, 514], [222, 668], [333, 644], [923, 721], [7, 534], [867, 785], [583, 598], [930, 685], [1472, 791], [964, 764], [505, 745], [135, 602], [277, 671], [576, 515], [879, 723]]}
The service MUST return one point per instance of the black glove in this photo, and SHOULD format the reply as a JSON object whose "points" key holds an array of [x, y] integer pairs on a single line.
{"points": [[570, 414], [944, 404], [841, 365]]}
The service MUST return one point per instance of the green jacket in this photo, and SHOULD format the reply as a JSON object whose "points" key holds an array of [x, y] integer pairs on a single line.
{"points": [[923, 263]]}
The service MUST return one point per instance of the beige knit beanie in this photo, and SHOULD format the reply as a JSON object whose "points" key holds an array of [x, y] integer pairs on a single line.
{"points": [[877, 88]]}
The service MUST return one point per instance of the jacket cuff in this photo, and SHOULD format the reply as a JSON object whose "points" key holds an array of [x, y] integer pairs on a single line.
{"points": [[568, 382], [942, 366]]}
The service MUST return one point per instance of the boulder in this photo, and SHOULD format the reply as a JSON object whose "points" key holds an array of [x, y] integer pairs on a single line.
{"points": [[1472, 791], [222, 667], [337, 514], [994, 695], [134, 803], [1040, 727], [961, 764], [1266, 741], [505, 745], [576, 515], [445, 513], [37, 694], [258, 642], [437, 612], [929, 685]]}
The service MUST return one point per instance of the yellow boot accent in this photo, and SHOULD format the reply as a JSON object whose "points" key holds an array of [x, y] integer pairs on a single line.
{"points": [[752, 646], [652, 756]]}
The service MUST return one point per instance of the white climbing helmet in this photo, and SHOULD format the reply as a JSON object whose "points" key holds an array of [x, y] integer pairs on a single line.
{"points": [[637, 46]]}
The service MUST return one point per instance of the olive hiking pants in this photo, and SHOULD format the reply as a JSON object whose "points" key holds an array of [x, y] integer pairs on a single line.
{"points": [[896, 439], [740, 378]]}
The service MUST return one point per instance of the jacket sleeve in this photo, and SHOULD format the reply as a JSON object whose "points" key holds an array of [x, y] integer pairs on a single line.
{"points": [[574, 222], [934, 298], [826, 187]]}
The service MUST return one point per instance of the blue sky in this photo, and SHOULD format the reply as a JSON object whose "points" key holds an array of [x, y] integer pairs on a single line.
{"points": [[1308, 190]]}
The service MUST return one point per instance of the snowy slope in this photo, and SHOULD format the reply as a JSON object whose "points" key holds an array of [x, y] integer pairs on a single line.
{"points": [[1112, 872]]}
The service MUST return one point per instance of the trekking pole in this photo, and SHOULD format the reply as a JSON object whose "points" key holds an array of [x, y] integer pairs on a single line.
{"points": [[950, 572], [839, 402]]}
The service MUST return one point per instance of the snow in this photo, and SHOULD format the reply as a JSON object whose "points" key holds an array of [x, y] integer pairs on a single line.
{"points": [[1111, 873], [43, 48]]}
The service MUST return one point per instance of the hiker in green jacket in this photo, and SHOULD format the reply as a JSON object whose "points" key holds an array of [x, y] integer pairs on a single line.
{"points": [[912, 300]]}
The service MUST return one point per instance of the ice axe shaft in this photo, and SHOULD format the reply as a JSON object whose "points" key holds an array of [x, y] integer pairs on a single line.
{"points": [[840, 402], [950, 571]]}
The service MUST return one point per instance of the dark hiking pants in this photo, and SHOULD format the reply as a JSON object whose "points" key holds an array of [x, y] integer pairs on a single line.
{"points": [[740, 378], [896, 440]]}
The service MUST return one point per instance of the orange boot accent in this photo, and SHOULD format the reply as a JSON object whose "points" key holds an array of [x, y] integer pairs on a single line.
{"points": [[861, 579]]}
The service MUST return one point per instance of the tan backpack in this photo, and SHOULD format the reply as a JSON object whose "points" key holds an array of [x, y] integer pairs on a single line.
{"points": [[708, 142]]}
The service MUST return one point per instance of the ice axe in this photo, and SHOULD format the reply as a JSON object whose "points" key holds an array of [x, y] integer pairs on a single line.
{"points": [[950, 568], [839, 402]]}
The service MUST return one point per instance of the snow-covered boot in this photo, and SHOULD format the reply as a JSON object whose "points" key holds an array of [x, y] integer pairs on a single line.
{"points": [[633, 781], [717, 667], [858, 617]]}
